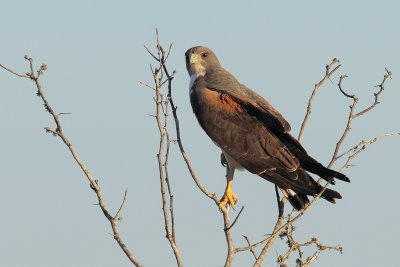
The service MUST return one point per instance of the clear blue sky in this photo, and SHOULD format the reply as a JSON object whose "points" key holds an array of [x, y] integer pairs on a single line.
{"points": [[95, 57]]}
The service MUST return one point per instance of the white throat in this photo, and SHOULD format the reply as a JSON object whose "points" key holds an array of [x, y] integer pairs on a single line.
{"points": [[197, 71], [193, 79]]}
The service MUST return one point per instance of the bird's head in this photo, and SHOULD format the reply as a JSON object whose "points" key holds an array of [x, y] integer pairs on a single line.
{"points": [[199, 59]]}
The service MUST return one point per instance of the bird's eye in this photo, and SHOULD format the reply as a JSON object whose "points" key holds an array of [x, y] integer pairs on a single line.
{"points": [[204, 54]]}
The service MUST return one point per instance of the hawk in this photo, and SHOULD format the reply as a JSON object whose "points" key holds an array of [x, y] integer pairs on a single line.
{"points": [[251, 133]]}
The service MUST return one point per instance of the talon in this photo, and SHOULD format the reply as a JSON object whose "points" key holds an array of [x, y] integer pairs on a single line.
{"points": [[223, 160], [229, 198]]}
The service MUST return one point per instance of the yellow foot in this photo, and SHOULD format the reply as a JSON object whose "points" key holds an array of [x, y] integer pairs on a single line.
{"points": [[229, 198]]}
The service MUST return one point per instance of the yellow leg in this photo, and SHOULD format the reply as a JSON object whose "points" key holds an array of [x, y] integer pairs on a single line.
{"points": [[229, 198]]}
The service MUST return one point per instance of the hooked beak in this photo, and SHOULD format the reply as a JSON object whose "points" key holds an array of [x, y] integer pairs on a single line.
{"points": [[193, 58]]}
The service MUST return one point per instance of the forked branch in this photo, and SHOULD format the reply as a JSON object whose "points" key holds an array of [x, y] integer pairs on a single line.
{"points": [[351, 152], [352, 115]]}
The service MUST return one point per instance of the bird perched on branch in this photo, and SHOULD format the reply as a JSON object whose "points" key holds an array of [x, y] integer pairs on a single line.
{"points": [[251, 133]]}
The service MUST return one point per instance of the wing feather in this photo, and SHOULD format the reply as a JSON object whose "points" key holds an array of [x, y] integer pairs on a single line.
{"points": [[233, 125], [221, 80]]}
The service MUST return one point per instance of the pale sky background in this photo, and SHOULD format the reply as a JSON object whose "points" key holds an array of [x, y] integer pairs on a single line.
{"points": [[95, 57]]}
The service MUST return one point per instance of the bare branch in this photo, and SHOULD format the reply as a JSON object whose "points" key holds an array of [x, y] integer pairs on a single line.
{"points": [[16, 73], [281, 206], [270, 240], [376, 102], [93, 183], [171, 196], [148, 85], [162, 115], [228, 236], [148, 50], [352, 116], [122, 205], [348, 126], [363, 144], [328, 74], [340, 87], [169, 51], [353, 151], [252, 250], [293, 246]]}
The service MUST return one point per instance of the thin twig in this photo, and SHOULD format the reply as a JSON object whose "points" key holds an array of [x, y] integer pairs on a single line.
{"points": [[162, 114], [122, 205], [16, 73], [148, 85], [376, 95], [237, 217], [171, 196], [352, 116], [281, 205], [293, 245], [148, 50], [348, 124], [363, 144], [328, 74], [340, 87], [251, 250]]}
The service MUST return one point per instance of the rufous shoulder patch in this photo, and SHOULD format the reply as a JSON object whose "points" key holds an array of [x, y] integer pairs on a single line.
{"points": [[222, 101]]}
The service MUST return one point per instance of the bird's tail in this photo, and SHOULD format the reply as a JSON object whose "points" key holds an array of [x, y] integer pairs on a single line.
{"points": [[297, 194], [299, 201], [311, 165], [307, 162]]}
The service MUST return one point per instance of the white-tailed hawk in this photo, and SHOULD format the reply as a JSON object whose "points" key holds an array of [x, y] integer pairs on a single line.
{"points": [[251, 133]]}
